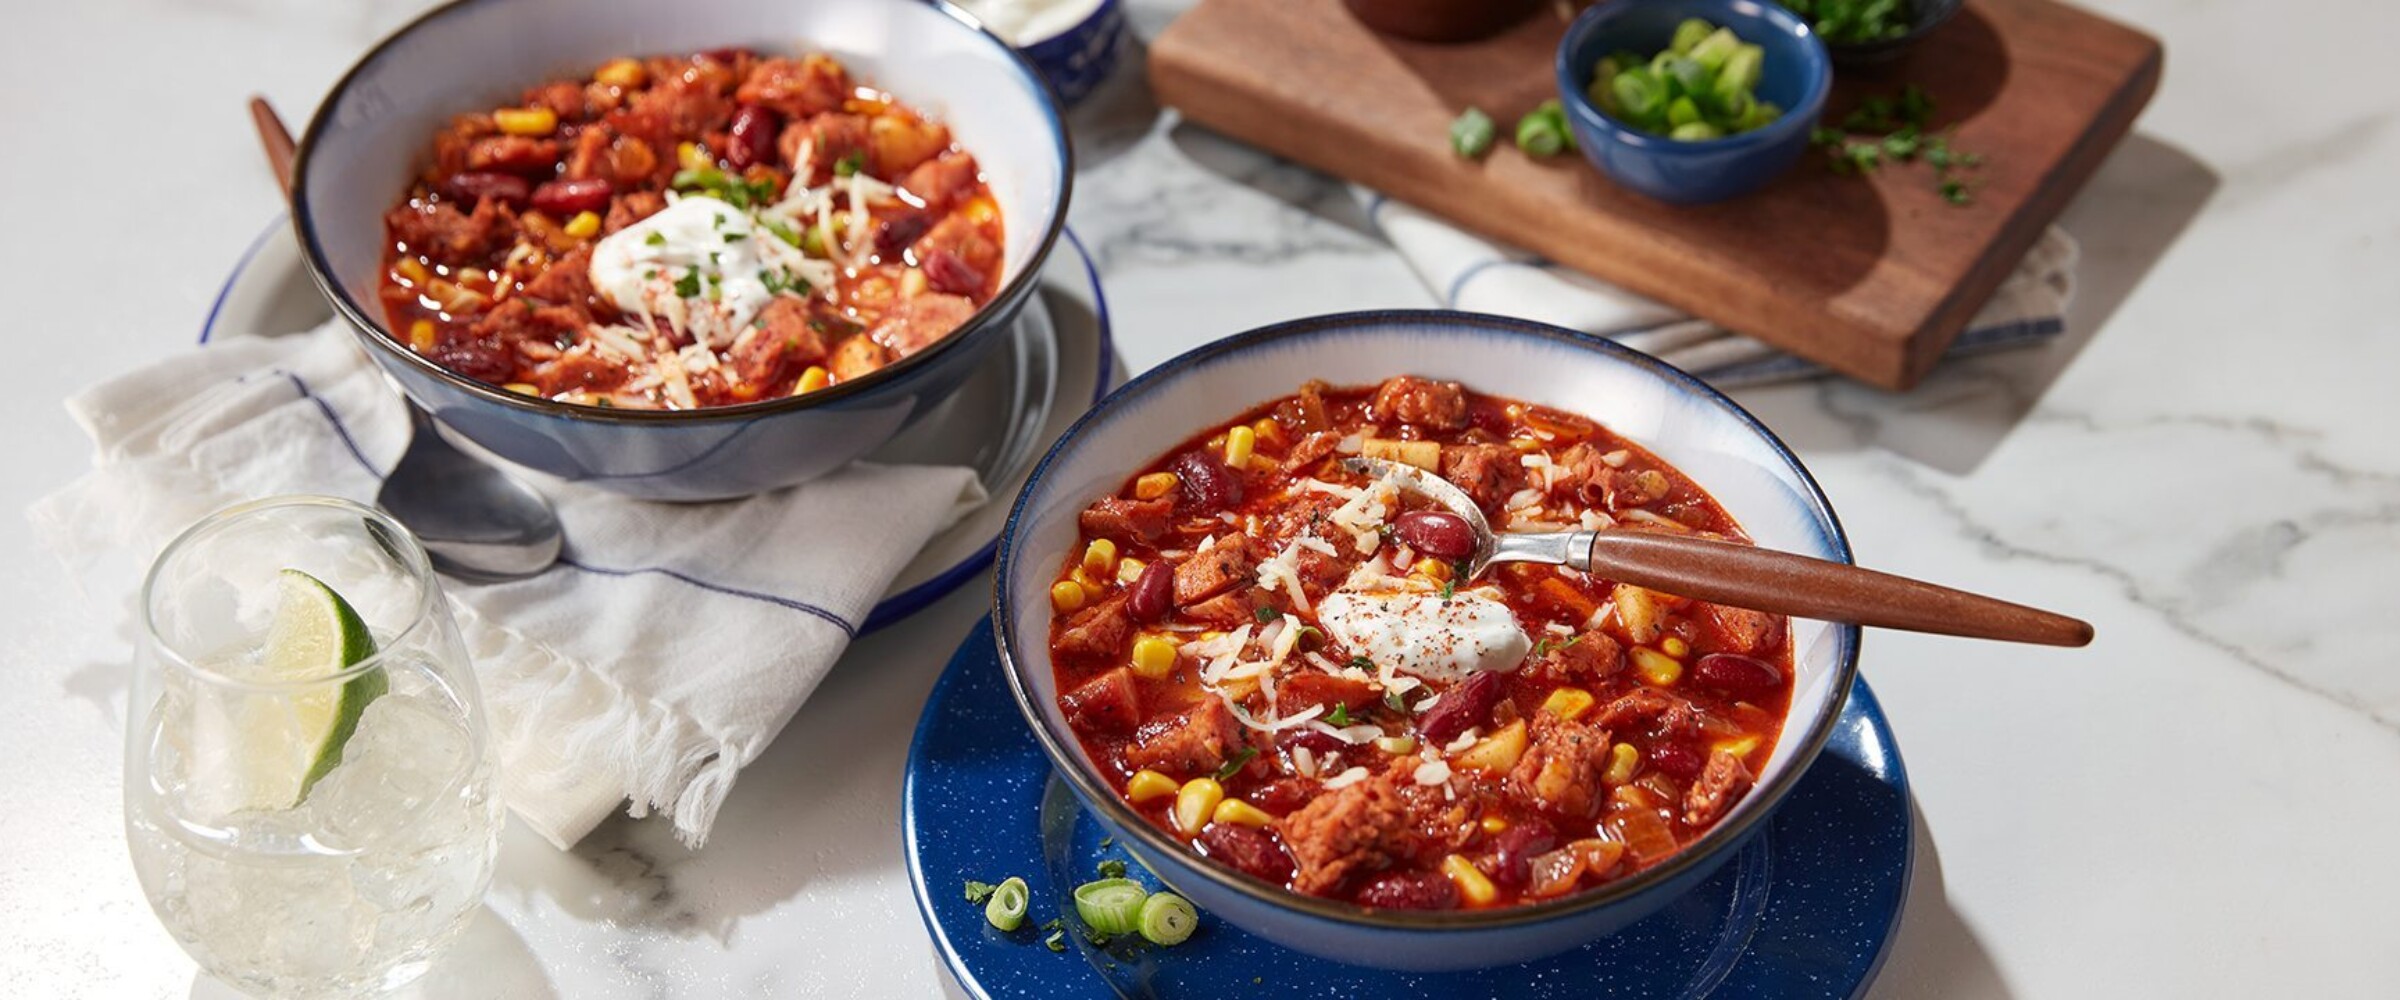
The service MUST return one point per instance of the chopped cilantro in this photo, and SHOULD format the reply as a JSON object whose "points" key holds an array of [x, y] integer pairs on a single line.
{"points": [[1393, 701], [784, 233], [850, 164], [1267, 615], [1903, 144], [1235, 764], [720, 220], [1057, 941], [655, 239], [1449, 590], [979, 891], [1340, 716], [1957, 193], [1361, 663], [688, 286], [1112, 868], [1107, 842]]}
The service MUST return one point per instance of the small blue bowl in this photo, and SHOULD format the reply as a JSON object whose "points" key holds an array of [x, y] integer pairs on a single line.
{"points": [[1760, 482], [1077, 60], [1797, 75]]}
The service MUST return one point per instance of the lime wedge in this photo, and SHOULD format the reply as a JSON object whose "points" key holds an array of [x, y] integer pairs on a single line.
{"points": [[316, 635]]}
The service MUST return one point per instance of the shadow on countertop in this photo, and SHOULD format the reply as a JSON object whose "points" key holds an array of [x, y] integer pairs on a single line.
{"points": [[1935, 953], [2134, 210]]}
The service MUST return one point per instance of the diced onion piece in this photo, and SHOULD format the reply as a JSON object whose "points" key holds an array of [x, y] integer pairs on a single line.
{"points": [[1425, 455], [1497, 753]]}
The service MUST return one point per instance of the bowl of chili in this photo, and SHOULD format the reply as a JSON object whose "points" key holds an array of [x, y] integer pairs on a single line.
{"points": [[1291, 710], [885, 179]]}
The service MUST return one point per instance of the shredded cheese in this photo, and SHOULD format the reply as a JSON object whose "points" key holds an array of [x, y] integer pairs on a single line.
{"points": [[1347, 778]]}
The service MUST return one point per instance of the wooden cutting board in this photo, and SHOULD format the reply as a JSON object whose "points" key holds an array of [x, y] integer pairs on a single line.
{"points": [[1871, 276]]}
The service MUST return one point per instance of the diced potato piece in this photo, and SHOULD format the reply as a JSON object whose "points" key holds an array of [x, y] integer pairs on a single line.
{"points": [[1568, 702], [1640, 614], [1426, 455], [1496, 753]]}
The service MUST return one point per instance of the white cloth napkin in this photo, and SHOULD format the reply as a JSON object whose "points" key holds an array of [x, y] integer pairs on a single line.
{"points": [[662, 653], [1470, 273]]}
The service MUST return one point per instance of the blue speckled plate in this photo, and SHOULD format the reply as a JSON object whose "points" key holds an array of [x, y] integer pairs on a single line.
{"points": [[1806, 910]]}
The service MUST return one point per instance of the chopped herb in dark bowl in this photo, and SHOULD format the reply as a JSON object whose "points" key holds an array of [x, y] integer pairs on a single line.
{"points": [[1868, 32]]}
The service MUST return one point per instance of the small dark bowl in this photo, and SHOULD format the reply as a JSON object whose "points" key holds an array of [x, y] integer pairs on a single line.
{"points": [[371, 132], [1797, 75], [1929, 15], [1077, 60], [1441, 20]]}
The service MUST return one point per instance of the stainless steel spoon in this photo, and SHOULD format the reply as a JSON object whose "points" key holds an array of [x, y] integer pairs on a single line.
{"points": [[1743, 576], [479, 523]]}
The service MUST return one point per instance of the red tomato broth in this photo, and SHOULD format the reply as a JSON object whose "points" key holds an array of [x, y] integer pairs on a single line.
{"points": [[1480, 838], [486, 251]]}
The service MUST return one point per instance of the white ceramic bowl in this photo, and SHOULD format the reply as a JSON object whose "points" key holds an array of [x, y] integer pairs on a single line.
{"points": [[1685, 422], [374, 132]]}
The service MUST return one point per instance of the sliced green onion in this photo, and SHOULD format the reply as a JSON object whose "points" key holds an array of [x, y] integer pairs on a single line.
{"points": [[1713, 52], [1111, 906], [1168, 919], [1233, 765], [1689, 34], [1641, 94], [1684, 111], [1471, 134], [1543, 130], [1005, 908], [1695, 132]]}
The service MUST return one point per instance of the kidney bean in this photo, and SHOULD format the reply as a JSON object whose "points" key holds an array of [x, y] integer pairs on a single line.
{"points": [[1316, 742], [754, 129], [1410, 891], [563, 198], [1153, 595], [1283, 795], [1437, 533], [948, 272], [477, 184], [895, 233], [1205, 482], [1514, 849], [1677, 760], [1248, 849], [1466, 705], [1743, 677]]}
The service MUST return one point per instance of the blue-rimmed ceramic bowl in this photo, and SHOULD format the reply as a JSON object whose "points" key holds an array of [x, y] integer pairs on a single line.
{"points": [[1796, 74], [1684, 421], [374, 129], [1073, 42]]}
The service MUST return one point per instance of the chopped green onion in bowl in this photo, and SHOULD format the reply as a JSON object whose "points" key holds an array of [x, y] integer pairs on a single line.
{"points": [[1703, 86]]}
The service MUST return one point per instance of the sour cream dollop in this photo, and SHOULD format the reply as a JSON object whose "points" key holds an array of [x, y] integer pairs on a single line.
{"points": [[1423, 634], [699, 245], [1024, 22]]}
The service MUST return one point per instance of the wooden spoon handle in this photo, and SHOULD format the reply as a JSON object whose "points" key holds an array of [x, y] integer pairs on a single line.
{"points": [[276, 139], [1746, 576]]}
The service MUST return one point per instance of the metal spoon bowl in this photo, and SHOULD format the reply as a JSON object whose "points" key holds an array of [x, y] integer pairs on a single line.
{"points": [[479, 523], [1744, 576]]}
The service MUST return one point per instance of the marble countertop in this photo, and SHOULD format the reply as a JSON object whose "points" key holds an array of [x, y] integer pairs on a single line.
{"points": [[2202, 804]]}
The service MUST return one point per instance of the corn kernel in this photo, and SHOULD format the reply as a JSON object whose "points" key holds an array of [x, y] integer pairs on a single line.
{"points": [[1741, 746], [1196, 803], [420, 335], [1130, 569], [1434, 569], [1155, 485], [1675, 646], [1473, 887], [690, 156], [1147, 784], [523, 388], [1622, 759], [584, 225], [1266, 429], [1154, 657], [1657, 669], [1396, 745], [1239, 442], [622, 73], [526, 121], [1091, 584], [1494, 824], [1568, 702], [1262, 464], [815, 378], [1240, 813], [1066, 595], [412, 269], [1100, 556]]}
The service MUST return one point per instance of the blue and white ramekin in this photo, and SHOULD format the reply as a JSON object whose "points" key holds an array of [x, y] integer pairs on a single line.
{"points": [[1722, 447], [370, 136], [1075, 43]]}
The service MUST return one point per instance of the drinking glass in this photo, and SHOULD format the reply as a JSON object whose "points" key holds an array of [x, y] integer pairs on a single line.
{"points": [[309, 808]]}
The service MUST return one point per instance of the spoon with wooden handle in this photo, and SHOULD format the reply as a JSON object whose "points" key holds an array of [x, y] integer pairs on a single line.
{"points": [[1743, 576]]}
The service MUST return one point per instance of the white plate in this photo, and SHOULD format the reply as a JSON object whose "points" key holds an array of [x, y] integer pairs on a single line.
{"points": [[1057, 363]]}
